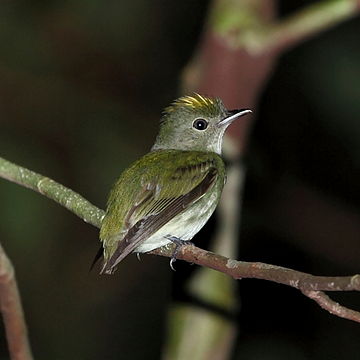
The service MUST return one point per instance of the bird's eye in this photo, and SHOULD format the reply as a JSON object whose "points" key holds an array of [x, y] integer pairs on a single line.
{"points": [[200, 124]]}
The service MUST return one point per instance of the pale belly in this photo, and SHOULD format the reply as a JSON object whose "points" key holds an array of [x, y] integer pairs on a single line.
{"points": [[183, 226]]}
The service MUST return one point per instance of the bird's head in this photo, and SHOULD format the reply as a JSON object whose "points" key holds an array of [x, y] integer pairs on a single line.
{"points": [[195, 123]]}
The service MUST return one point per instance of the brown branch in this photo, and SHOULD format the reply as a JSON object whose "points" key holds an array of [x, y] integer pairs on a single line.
{"points": [[331, 306], [310, 285], [11, 309]]}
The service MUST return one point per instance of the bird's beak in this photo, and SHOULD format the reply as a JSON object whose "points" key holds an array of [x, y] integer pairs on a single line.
{"points": [[232, 115]]}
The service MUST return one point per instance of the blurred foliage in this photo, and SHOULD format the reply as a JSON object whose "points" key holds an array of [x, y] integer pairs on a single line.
{"points": [[82, 85]]}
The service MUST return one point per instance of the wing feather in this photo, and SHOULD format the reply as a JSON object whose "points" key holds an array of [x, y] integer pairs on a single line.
{"points": [[151, 223], [153, 200]]}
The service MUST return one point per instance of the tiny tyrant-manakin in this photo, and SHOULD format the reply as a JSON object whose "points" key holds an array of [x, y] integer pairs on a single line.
{"points": [[170, 193]]}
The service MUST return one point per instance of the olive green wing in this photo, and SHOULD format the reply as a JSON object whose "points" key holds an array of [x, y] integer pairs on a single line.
{"points": [[154, 190]]}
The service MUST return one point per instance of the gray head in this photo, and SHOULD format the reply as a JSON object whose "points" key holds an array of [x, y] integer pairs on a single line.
{"points": [[195, 123]]}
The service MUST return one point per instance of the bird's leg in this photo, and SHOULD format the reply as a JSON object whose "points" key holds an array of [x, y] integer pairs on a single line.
{"points": [[179, 243], [138, 256]]}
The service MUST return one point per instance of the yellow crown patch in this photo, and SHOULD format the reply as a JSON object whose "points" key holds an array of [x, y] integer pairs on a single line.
{"points": [[195, 101]]}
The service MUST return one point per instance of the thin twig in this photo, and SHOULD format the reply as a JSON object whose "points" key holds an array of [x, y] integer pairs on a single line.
{"points": [[12, 311], [247, 32], [67, 198], [308, 22], [310, 285], [331, 306]]}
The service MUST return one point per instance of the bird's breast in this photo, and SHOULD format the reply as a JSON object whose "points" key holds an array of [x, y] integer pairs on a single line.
{"points": [[185, 225]]}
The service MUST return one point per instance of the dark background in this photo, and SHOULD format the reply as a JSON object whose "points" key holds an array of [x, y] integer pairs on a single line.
{"points": [[82, 86]]}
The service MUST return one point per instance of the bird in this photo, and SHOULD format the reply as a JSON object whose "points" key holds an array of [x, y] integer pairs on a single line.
{"points": [[169, 194]]}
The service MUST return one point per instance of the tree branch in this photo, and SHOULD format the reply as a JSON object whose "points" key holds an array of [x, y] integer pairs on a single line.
{"points": [[241, 27], [308, 22], [11, 309], [310, 285], [331, 306], [67, 198]]}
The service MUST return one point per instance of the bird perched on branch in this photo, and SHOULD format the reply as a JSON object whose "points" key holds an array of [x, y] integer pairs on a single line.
{"points": [[170, 193]]}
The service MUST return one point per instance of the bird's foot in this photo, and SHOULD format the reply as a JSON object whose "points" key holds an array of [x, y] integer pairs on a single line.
{"points": [[178, 244]]}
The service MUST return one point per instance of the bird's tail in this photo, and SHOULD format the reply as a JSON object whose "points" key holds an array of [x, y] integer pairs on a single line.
{"points": [[98, 255]]}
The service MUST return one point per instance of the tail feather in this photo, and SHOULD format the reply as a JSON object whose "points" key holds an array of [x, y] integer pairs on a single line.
{"points": [[97, 257]]}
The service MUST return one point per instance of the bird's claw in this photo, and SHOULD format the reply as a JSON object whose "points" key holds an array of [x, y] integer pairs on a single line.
{"points": [[178, 244], [172, 260]]}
